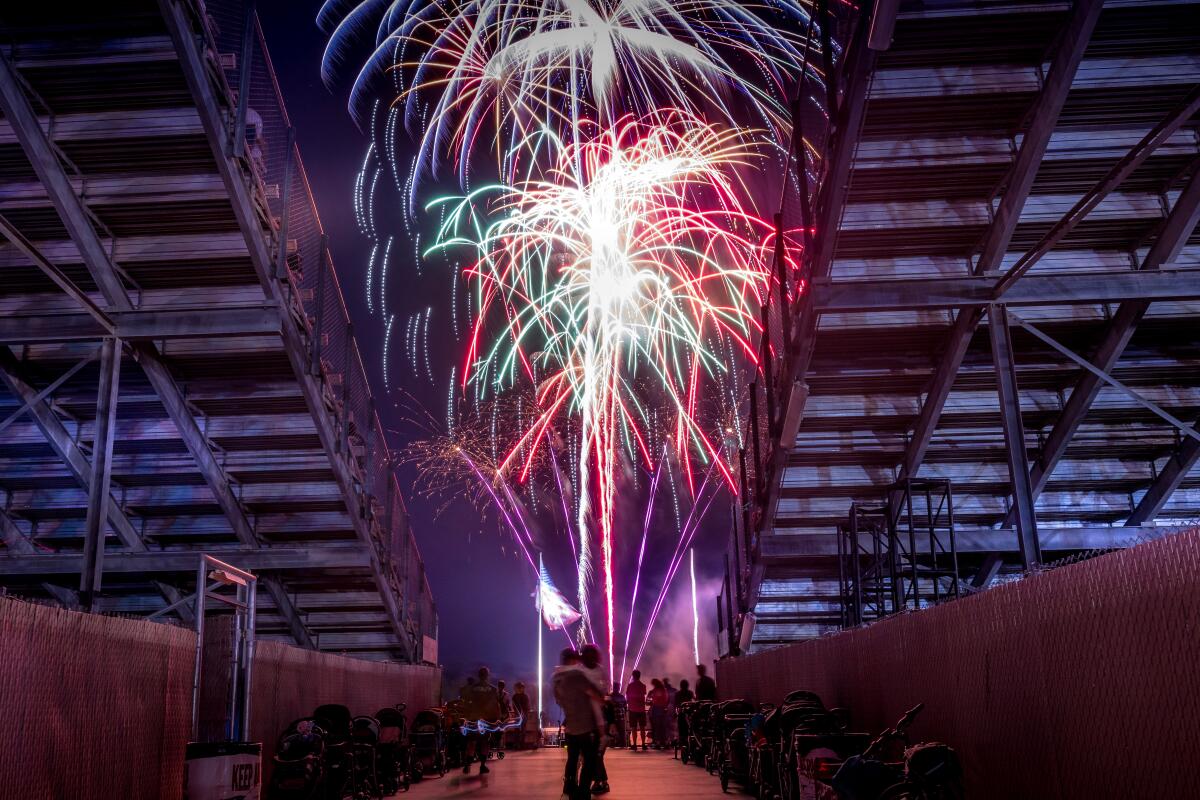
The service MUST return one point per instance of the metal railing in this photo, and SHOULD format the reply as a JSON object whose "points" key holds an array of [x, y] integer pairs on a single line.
{"points": [[263, 138], [786, 312]]}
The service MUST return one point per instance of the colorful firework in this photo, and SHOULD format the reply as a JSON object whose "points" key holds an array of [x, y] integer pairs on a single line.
{"points": [[617, 266], [606, 276], [487, 72]]}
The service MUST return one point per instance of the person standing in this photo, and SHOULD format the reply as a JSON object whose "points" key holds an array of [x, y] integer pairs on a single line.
{"points": [[505, 715], [575, 694], [706, 687], [671, 709], [483, 705], [635, 696], [590, 658], [682, 698], [505, 700], [520, 702], [657, 700]]}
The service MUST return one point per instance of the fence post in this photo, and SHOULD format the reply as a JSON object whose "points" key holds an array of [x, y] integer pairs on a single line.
{"points": [[785, 317], [244, 68], [344, 439], [367, 506], [754, 437], [768, 361], [746, 500], [281, 266], [317, 343]]}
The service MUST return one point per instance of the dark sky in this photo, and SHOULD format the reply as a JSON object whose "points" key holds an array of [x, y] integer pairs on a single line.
{"points": [[481, 587]]}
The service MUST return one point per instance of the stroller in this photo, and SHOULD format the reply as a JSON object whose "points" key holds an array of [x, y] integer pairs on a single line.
{"points": [[335, 721], [428, 743], [699, 732], [730, 755], [364, 776], [394, 756], [299, 763], [349, 753]]}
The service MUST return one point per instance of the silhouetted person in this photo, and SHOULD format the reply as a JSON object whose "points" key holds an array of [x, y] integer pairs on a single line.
{"points": [[684, 695], [590, 658], [635, 696], [576, 696], [658, 700], [483, 705], [706, 687], [521, 705]]}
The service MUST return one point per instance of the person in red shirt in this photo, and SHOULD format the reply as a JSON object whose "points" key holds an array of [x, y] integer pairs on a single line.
{"points": [[635, 696]]}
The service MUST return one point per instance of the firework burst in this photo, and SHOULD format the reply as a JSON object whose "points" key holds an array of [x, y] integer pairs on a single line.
{"points": [[602, 276]]}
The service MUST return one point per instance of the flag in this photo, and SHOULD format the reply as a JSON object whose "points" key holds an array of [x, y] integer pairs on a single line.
{"points": [[557, 613]]}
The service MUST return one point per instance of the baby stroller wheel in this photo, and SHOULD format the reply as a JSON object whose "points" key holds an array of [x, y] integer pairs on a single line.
{"points": [[500, 755]]}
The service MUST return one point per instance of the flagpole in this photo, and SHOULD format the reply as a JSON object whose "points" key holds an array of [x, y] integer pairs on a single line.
{"points": [[695, 611], [541, 570]]}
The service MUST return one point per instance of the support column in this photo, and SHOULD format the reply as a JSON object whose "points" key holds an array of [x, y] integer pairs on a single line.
{"points": [[98, 495], [1016, 455]]}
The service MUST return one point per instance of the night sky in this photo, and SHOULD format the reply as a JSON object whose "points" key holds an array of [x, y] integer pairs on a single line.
{"points": [[482, 589]]}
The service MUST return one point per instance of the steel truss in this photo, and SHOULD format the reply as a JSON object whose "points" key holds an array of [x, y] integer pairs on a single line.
{"points": [[898, 556], [174, 382], [1055, 213]]}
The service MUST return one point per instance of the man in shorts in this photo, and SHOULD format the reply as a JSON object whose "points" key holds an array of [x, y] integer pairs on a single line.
{"points": [[635, 695]]}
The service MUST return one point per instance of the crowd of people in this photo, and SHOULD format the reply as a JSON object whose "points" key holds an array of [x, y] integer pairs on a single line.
{"points": [[597, 716]]}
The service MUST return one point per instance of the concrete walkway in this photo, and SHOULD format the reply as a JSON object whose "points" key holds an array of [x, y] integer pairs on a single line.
{"points": [[537, 775]]}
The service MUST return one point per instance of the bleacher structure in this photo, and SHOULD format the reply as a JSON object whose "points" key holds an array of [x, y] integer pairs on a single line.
{"points": [[178, 372], [1000, 288]]}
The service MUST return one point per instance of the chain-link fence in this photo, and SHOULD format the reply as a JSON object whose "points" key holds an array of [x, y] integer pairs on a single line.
{"points": [[263, 138], [1078, 682]]}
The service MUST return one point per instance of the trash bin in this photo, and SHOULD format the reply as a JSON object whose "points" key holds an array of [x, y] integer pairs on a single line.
{"points": [[222, 771]]}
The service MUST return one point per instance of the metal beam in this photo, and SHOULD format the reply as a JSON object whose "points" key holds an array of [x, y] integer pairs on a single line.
{"points": [[57, 276], [91, 576], [1169, 478], [1153, 408], [1176, 230], [178, 18], [49, 391], [1115, 177], [277, 559], [140, 124], [150, 324], [214, 475], [49, 170], [14, 540], [44, 160], [1044, 117], [67, 598], [781, 549], [173, 596], [1078, 288], [63, 443], [1016, 453]]}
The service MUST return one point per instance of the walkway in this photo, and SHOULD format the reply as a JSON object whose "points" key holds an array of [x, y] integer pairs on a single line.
{"points": [[537, 775]]}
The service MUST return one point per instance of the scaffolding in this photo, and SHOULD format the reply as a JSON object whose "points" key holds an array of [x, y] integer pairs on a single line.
{"points": [[900, 555]]}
